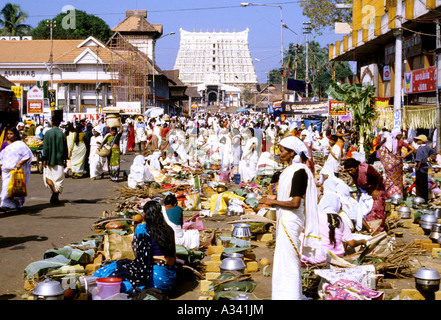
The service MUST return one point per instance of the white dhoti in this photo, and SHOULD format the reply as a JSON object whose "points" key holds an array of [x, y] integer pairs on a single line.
{"points": [[56, 175]]}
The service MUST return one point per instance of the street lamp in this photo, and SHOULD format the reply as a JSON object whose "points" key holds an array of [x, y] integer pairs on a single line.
{"points": [[153, 59], [246, 4]]}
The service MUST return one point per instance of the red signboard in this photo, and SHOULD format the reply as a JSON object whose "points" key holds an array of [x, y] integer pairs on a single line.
{"points": [[35, 106], [421, 80], [337, 108]]}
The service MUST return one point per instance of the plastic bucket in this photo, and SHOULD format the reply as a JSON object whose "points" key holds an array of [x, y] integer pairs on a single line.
{"points": [[237, 178], [108, 287]]}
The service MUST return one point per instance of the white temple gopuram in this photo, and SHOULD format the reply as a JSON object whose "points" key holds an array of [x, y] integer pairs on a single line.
{"points": [[219, 64]]}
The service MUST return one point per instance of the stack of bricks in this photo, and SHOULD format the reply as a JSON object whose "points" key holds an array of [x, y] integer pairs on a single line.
{"points": [[213, 272], [427, 244]]}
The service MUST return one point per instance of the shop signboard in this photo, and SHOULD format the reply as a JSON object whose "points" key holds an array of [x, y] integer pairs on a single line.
{"points": [[337, 108], [305, 108], [84, 116], [35, 106], [35, 93], [421, 80], [129, 107], [17, 92]]}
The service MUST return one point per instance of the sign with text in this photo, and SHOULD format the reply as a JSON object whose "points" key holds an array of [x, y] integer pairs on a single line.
{"points": [[421, 80], [381, 102], [129, 107], [83, 116], [35, 106], [337, 108], [305, 108], [35, 93], [18, 92]]}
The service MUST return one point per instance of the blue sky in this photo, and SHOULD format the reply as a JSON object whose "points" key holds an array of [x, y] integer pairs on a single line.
{"points": [[263, 23]]}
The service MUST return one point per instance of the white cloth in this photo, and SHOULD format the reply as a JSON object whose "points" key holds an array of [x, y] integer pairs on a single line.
{"points": [[190, 239], [287, 282], [96, 162], [56, 175], [248, 163], [9, 157], [332, 163], [391, 140], [139, 173], [295, 144]]}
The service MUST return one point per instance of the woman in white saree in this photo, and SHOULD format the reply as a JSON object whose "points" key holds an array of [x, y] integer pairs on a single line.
{"points": [[296, 214], [16, 155], [96, 162], [248, 162]]}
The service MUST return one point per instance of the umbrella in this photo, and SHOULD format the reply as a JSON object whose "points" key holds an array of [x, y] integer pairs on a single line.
{"points": [[154, 112]]}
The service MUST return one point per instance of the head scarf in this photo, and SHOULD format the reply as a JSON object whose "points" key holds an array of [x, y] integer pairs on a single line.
{"points": [[295, 144], [329, 203], [308, 139], [391, 140], [98, 129]]}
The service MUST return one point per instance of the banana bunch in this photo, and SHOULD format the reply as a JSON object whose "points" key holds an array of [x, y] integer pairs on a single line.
{"points": [[36, 144]]}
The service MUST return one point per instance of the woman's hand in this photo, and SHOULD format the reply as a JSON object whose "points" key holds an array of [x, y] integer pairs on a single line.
{"points": [[267, 199], [375, 194]]}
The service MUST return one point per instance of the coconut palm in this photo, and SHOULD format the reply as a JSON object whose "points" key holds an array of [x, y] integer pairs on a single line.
{"points": [[12, 21]]}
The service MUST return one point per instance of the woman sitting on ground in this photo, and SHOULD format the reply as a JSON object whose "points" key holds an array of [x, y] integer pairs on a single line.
{"points": [[333, 229], [155, 255], [190, 239]]}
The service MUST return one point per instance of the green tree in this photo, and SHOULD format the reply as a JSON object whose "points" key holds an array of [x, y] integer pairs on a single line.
{"points": [[81, 26], [321, 70], [12, 21], [360, 99], [323, 14]]}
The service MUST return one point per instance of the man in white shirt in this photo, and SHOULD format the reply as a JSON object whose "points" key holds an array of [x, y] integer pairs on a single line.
{"points": [[333, 160]]}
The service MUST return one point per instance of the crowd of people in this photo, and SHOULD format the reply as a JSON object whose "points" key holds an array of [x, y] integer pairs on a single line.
{"points": [[319, 207]]}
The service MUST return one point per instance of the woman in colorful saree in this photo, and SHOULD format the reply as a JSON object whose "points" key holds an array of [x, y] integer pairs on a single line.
{"points": [[390, 156], [155, 255], [112, 141], [296, 204], [15, 156]]}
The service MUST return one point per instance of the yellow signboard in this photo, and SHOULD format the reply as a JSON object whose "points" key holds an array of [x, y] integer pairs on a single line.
{"points": [[18, 92]]}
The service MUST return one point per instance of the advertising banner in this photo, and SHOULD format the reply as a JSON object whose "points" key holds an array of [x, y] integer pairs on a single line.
{"points": [[35, 106], [421, 80], [337, 108]]}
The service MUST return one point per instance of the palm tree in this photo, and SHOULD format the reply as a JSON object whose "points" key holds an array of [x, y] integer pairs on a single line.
{"points": [[12, 21]]}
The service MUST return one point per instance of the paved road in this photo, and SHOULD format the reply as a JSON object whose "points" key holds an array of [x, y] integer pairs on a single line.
{"points": [[26, 236]]}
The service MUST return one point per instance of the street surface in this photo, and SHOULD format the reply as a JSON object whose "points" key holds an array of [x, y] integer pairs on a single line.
{"points": [[26, 236]]}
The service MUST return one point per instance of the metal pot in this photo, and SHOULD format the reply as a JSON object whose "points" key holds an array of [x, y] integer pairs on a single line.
{"points": [[396, 199], [233, 265], [427, 220], [237, 255], [48, 290], [436, 232], [241, 230], [242, 296], [437, 213], [417, 202], [427, 279], [405, 212], [221, 188]]}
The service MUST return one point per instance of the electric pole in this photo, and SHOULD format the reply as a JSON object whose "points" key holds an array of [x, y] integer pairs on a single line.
{"points": [[307, 30], [51, 24]]}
